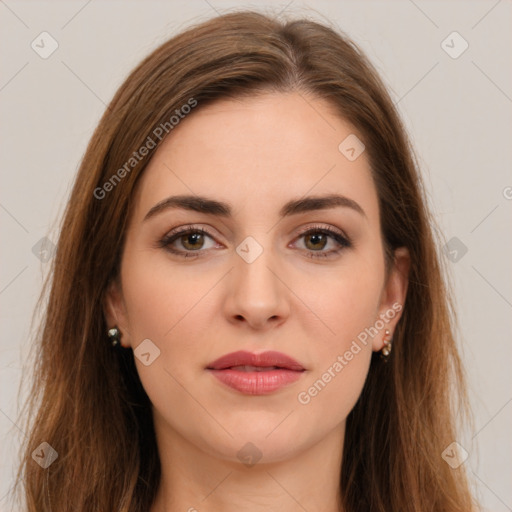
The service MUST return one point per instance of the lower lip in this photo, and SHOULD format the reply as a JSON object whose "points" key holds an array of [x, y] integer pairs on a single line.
{"points": [[257, 383]]}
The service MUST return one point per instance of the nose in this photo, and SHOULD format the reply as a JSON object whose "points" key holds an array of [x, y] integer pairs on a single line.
{"points": [[256, 293]]}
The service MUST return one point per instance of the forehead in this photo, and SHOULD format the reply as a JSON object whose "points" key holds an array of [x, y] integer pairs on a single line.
{"points": [[258, 151]]}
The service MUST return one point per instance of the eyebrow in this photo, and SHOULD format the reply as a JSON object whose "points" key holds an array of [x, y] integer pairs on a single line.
{"points": [[210, 206]]}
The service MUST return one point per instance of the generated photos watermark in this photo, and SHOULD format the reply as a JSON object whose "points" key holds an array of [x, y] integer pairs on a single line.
{"points": [[304, 397], [150, 143]]}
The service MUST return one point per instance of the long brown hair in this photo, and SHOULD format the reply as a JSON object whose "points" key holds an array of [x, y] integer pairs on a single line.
{"points": [[87, 401]]}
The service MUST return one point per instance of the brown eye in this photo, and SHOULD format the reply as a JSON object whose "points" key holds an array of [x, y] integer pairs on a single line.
{"points": [[316, 241], [187, 241], [192, 241]]}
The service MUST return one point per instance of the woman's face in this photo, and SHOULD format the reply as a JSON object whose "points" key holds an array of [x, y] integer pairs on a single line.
{"points": [[254, 281]]}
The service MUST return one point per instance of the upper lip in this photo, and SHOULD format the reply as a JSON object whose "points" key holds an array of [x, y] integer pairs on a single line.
{"points": [[244, 358]]}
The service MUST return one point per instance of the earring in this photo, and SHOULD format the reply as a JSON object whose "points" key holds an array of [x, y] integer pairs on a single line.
{"points": [[386, 350], [115, 336]]}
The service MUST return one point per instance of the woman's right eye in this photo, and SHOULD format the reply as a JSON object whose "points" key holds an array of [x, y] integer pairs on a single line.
{"points": [[191, 239]]}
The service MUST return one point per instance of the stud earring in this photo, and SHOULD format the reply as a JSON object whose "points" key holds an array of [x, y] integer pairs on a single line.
{"points": [[114, 335], [386, 350]]}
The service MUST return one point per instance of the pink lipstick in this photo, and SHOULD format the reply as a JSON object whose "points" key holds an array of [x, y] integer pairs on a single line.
{"points": [[256, 374]]}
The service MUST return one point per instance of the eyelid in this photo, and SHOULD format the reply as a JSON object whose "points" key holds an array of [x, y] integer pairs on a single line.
{"points": [[320, 227], [188, 227], [341, 239]]}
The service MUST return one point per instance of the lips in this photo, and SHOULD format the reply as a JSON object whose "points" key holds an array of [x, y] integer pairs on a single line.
{"points": [[256, 374], [248, 361]]}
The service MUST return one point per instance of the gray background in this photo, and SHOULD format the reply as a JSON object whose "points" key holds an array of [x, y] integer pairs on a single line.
{"points": [[457, 110]]}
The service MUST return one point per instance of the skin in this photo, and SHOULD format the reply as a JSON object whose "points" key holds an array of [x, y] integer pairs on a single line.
{"points": [[255, 154]]}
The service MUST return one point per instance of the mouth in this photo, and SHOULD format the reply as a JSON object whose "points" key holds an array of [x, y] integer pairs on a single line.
{"points": [[256, 374]]}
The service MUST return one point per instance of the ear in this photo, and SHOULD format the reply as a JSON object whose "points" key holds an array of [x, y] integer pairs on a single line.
{"points": [[393, 296], [114, 310]]}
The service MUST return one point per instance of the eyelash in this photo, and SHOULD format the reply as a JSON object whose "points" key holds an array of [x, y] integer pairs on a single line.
{"points": [[343, 241]]}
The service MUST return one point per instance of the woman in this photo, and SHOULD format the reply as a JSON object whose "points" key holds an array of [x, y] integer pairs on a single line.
{"points": [[247, 309]]}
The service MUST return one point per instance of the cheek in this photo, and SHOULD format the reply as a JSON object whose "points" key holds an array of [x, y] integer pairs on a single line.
{"points": [[344, 302], [158, 296], [341, 359], [347, 305], [342, 354], [171, 307], [166, 306]]}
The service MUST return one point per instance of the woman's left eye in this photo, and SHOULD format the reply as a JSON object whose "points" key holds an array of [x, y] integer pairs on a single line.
{"points": [[316, 238], [319, 236]]}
